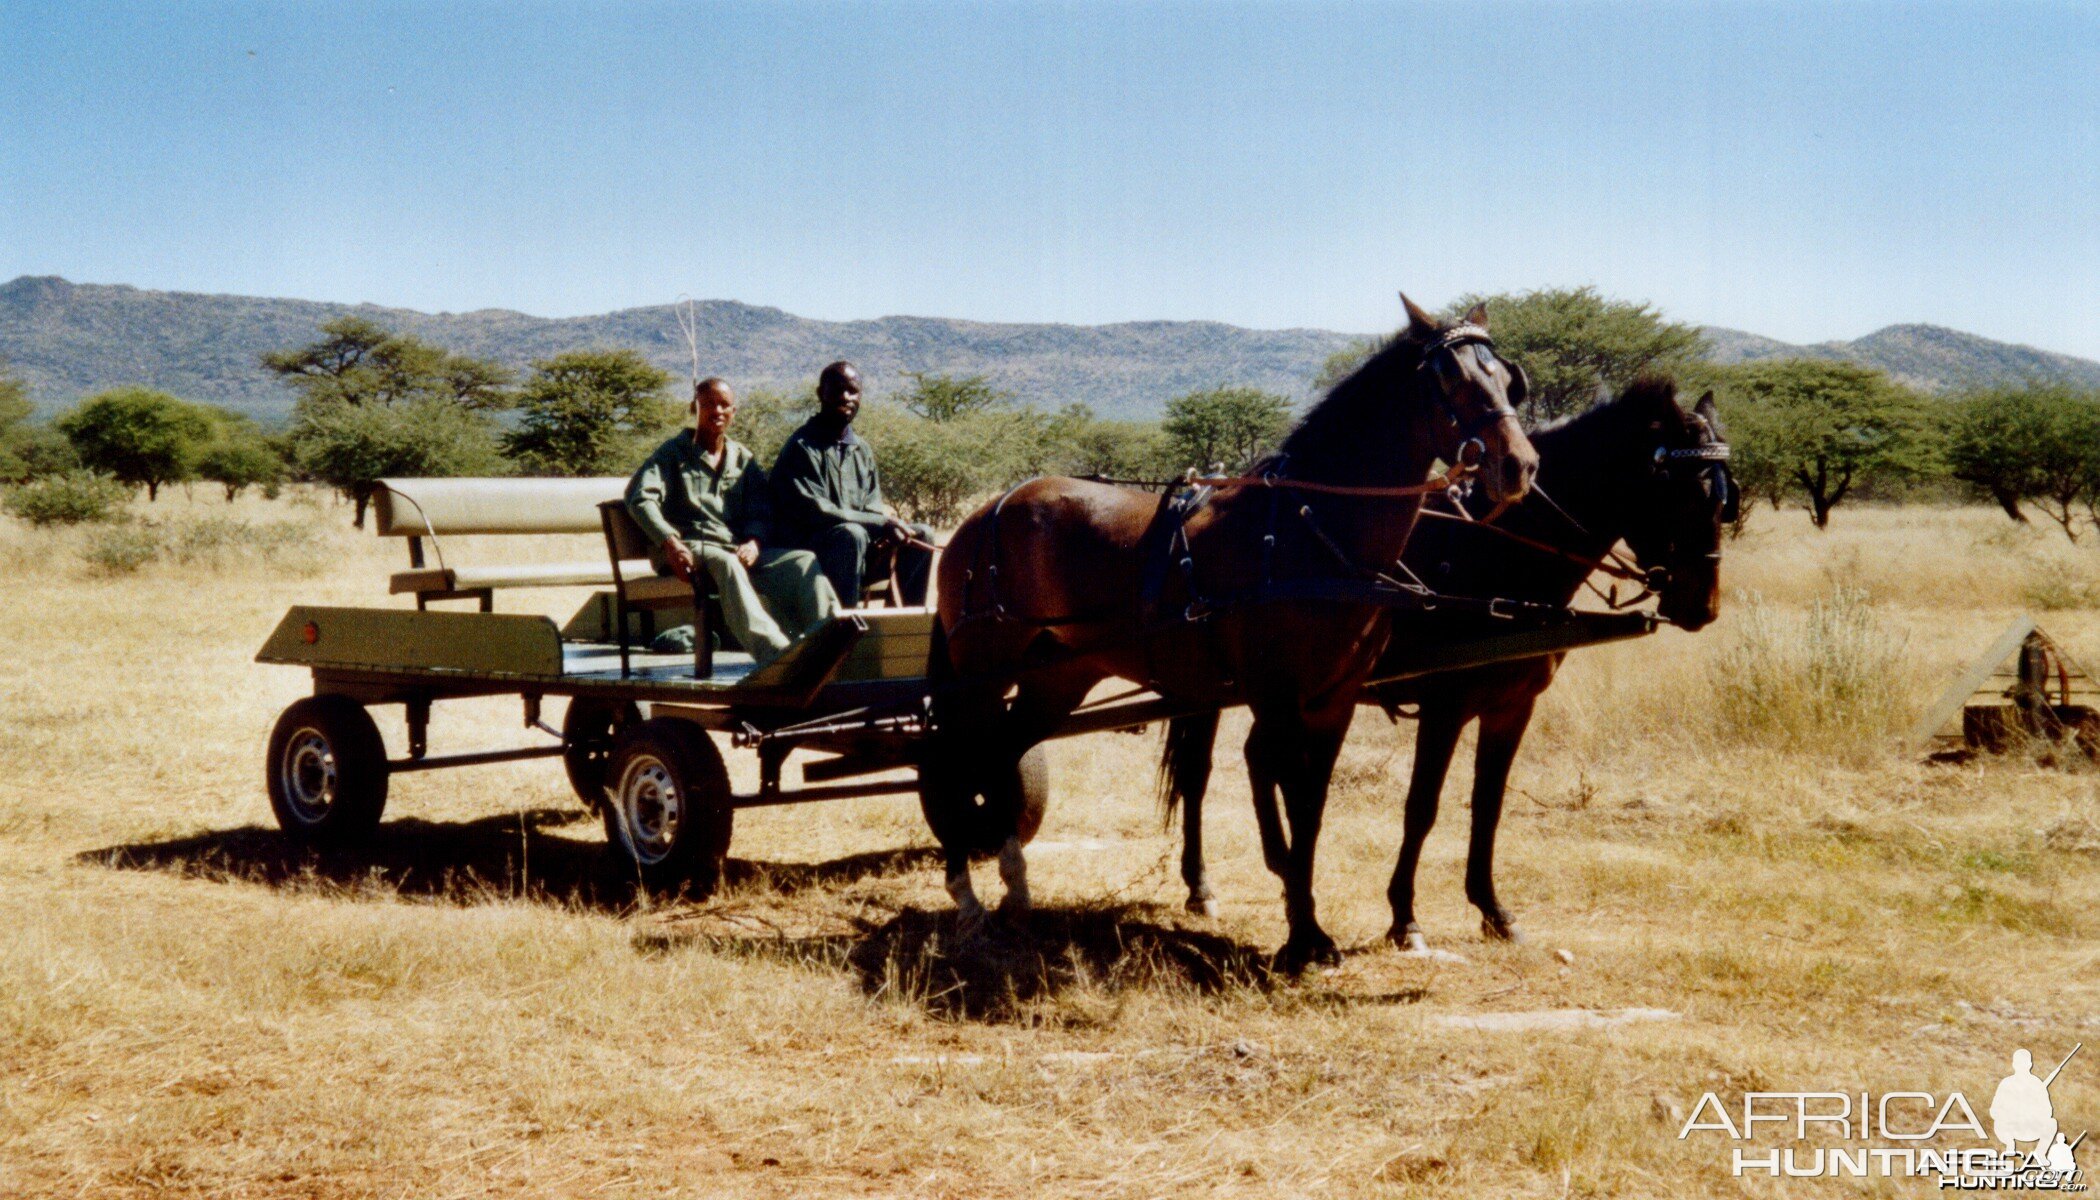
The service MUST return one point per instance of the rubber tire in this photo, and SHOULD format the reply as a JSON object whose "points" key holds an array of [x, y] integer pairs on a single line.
{"points": [[698, 845], [589, 731], [1035, 801], [351, 741]]}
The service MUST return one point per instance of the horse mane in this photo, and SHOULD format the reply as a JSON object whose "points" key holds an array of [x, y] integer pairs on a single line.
{"points": [[1647, 394], [1335, 427]]}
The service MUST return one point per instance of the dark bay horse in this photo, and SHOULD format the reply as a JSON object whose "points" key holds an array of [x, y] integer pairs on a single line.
{"points": [[1063, 583], [1638, 468]]}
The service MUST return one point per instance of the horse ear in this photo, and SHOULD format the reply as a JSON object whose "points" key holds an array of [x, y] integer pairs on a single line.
{"points": [[1706, 407], [1420, 325], [1478, 315], [1519, 384]]}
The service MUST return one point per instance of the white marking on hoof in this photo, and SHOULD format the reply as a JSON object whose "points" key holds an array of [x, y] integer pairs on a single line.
{"points": [[1013, 871], [1203, 907], [1416, 944]]}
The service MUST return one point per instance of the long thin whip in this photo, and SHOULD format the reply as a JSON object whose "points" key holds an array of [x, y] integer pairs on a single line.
{"points": [[689, 324]]}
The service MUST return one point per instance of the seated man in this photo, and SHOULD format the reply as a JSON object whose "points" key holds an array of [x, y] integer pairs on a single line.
{"points": [[828, 499], [703, 500]]}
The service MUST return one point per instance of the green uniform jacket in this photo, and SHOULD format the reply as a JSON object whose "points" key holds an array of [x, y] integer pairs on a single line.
{"points": [[824, 478], [676, 494]]}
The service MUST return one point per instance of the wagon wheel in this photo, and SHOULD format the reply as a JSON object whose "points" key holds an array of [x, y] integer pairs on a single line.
{"points": [[327, 771], [962, 817], [588, 732], [668, 808]]}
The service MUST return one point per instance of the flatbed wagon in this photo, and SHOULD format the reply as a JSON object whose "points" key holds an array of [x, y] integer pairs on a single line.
{"points": [[849, 705]]}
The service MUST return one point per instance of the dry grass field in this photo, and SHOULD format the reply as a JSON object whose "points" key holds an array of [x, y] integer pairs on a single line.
{"points": [[1718, 825]]}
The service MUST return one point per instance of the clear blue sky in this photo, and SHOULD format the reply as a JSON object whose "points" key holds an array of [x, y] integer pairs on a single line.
{"points": [[1802, 171]]}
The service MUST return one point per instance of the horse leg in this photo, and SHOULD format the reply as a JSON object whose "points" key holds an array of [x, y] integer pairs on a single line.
{"points": [[1040, 705], [1185, 771], [1263, 772], [1501, 732], [1436, 738], [1305, 779]]}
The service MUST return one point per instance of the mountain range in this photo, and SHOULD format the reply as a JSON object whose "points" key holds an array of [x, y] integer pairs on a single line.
{"points": [[69, 339]]}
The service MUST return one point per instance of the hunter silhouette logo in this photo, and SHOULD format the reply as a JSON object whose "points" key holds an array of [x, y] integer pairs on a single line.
{"points": [[1917, 1134]]}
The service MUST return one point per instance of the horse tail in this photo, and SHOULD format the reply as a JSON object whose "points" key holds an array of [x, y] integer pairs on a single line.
{"points": [[1184, 761]]}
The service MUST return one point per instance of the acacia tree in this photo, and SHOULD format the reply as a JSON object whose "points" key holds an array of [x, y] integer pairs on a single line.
{"points": [[1820, 427], [1228, 425], [1573, 344], [374, 403], [138, 436], [239, 457], [2039, 443], [585, 412], [941, 398]]}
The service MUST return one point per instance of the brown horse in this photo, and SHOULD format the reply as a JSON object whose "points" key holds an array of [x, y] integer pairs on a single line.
{"points": [[1062, 584], [1638, 468]]}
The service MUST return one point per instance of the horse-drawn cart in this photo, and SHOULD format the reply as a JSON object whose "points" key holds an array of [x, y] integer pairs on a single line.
{"points": [[847, 708]]}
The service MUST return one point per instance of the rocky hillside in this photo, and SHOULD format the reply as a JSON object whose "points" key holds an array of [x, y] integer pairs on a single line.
{"points": [[70, 339]]}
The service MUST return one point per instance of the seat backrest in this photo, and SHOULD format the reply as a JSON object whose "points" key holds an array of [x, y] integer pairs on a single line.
{"points": [[422, 507], [625, 539]]}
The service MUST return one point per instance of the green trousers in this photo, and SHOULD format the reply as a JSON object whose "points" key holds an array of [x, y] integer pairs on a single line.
{"points": [[770, 604]]}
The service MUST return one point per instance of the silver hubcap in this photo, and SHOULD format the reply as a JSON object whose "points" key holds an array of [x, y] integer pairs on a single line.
{"points": [[309, 775], [650, 808]]}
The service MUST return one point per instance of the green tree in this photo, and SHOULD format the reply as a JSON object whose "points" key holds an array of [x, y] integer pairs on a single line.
{"points": [[2039, 443], [15, 411], [349, 446], [138, 436], [940, 398], [1574, 343], [361, 362], [1228, 425], [1820, 427], [586, 412], [239, 457], [366, 394]]}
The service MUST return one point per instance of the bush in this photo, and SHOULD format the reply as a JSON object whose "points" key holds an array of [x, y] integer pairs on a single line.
{"points": [[73, 498], [211, 542], [122, 550], [1831, 678]]}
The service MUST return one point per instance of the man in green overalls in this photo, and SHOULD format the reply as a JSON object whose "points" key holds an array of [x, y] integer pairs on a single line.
{"points": [[703, 500], [829, 498]]}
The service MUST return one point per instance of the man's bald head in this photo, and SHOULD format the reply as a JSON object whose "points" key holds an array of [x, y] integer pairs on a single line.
{"points": [[838, 391]]}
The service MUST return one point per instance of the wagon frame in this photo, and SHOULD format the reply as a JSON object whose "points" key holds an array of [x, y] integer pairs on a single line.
{"points": [[851, 698]]}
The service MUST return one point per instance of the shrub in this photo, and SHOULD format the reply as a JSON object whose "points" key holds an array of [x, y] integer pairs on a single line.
{"points": [[123, 549], [73, 498], [1831, 678], [211, 542]]}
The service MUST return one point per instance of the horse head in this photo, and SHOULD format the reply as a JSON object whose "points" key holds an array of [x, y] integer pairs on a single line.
{"points": [[1477, 393], [1678, 497]]}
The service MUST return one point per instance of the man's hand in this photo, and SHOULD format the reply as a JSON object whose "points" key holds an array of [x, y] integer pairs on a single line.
{"points": [[747, 553], [679, 558], [897, 531]]}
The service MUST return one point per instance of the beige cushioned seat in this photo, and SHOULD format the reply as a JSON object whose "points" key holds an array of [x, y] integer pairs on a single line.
{"points": [[466, 579]]}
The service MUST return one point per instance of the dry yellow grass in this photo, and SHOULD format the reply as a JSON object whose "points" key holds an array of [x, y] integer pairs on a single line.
{"points": [[475, 1009]]}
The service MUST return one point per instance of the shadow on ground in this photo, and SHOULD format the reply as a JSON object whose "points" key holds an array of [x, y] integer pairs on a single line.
{"points": [[812, 915], [544, 855], [1001, 972]]}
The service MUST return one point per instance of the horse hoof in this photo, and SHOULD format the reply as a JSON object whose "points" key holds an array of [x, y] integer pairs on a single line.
{"points": [[1501, 929], [1203, 907], [1295, 959], [1415, 943]]}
